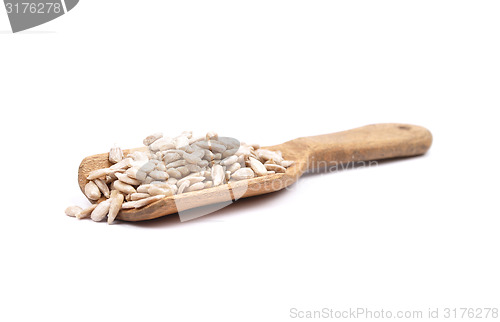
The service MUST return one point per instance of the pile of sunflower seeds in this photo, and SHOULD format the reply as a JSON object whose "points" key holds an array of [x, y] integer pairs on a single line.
{"points": [[171, 166]]}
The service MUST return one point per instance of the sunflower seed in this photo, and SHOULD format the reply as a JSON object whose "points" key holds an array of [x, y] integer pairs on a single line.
{"points": [[172, 181], [125, 163], [161, 167], [171, 157], [92, 191], [193, 167], [203, 163], [266, 155], [115, 155], [126, 179], [142, 202], [242, 174], [192, 158], [234, 167], [148, 166], [132, 172], [99, 173], [103, 187], [158, 175], [197, 139], [139, 156], [181, 143], [151, 138], [176, 164], [257, 167], [174, 173], [138, 196], [196, 186], [192, 180], [217, 175], [162, 144], [211, 136], [73, 211], [274, 167], [101, 210], [182, 187], [123, 187], [143, 188], [183, 170], [155, 191], [115, 206], [229, 160], [86, 212], [217, 147]]}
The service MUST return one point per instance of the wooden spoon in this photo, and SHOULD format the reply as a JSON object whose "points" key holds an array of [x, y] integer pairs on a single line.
{"points": [[372, 142]]}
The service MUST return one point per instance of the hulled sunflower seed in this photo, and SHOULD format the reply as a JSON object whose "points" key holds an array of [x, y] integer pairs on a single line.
{"points": [[257, 167], [234, 167], [143, 188], [183, 170], [229, 160], [162, 144], [203, 163], [101, 210], [139, 195], [73, 211], [123, 187], [181, 143], [151, 138], [161, 167], [92, 191], [217, 175], [126, 179], [85, 213], [196, 186], [242, 174], [148, 166], [217, 147], [155, 191], [99, 173], [266, 155], [211, 136], [176, 164], [123, 164], [103, 187], [182, 187], [172, 181], [174, 173], [171, 157], [115, 206], [192, 180], [115, 155], [142, 202], [275, 167], [158, 175]]}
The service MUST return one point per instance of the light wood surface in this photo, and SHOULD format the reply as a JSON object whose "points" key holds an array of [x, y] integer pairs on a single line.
{"points": [[371, 142]]}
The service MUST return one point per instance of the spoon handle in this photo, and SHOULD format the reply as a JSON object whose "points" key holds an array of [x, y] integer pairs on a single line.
{"points": [[371, 142]]}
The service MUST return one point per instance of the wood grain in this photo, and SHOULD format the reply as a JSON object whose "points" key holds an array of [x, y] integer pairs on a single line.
{"points": [[371, 142]]}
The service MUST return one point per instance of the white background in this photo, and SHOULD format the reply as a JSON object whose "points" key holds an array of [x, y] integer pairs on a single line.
{"points": [[406, 235]]}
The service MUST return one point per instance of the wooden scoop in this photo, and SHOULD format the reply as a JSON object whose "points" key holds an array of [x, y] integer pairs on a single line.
{"points": [[372, 142]]}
